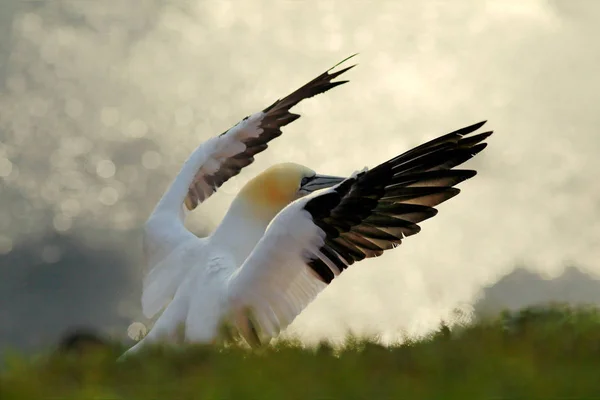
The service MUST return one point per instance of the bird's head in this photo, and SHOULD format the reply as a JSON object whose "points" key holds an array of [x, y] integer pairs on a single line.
{"points": [[281, 184]]}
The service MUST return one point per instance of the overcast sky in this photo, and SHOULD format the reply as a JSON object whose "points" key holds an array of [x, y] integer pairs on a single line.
{"points": [[101, 101]]}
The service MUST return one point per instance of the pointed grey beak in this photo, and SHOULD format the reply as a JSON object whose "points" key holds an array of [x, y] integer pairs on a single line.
{"points": [[320, 182]]}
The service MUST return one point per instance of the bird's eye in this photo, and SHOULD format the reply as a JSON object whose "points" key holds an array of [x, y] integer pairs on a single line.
{"points": [[305, 180]]}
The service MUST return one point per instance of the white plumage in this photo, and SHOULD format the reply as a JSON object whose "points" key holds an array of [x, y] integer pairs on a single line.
{"points": [[289, 231]]}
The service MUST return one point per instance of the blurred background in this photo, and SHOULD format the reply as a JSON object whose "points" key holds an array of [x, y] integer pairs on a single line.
{"points": [[101, 102]]}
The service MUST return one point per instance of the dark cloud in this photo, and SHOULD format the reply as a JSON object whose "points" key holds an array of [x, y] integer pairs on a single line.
{"points": [[523, 288], [51, 285]]}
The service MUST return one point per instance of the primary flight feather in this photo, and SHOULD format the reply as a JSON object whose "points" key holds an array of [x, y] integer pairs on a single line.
{"points": [[288, 233]]}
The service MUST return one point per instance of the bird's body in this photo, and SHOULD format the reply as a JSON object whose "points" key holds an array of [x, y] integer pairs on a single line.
{"points": [[289, 231]]}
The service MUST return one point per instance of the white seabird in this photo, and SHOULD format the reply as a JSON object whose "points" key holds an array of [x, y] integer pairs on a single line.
{"points": [[283, 240]]}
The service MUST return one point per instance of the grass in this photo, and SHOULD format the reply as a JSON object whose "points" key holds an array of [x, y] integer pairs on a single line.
{"points": [[537, 353]]}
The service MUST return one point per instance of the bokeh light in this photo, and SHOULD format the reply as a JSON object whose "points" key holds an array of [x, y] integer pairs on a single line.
{"points": [[101, 102]]}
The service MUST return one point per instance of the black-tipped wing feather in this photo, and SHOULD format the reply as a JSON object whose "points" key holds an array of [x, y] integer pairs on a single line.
{"points": [[376, 209], [236, 148], [316, 238]]}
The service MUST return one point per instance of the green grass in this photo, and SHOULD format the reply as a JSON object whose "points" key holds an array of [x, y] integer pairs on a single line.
{"points": [[533, 354]]}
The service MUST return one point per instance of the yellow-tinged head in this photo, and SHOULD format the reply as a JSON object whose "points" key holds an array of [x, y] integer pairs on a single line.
{"points": [[281, 184]]}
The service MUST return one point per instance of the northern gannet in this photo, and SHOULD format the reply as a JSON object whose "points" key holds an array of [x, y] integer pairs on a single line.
{"points": [[288, 233]]}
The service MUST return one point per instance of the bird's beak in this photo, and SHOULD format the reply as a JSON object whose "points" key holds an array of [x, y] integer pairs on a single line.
{"points": [[321, 182]]}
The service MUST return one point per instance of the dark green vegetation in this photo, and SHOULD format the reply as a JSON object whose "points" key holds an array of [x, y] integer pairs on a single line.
{"points": [[536, 353]]}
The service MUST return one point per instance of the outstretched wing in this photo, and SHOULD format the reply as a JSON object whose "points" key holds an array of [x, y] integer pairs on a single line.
{"points": [[236, 148], [316, 238], [208, 167]]}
